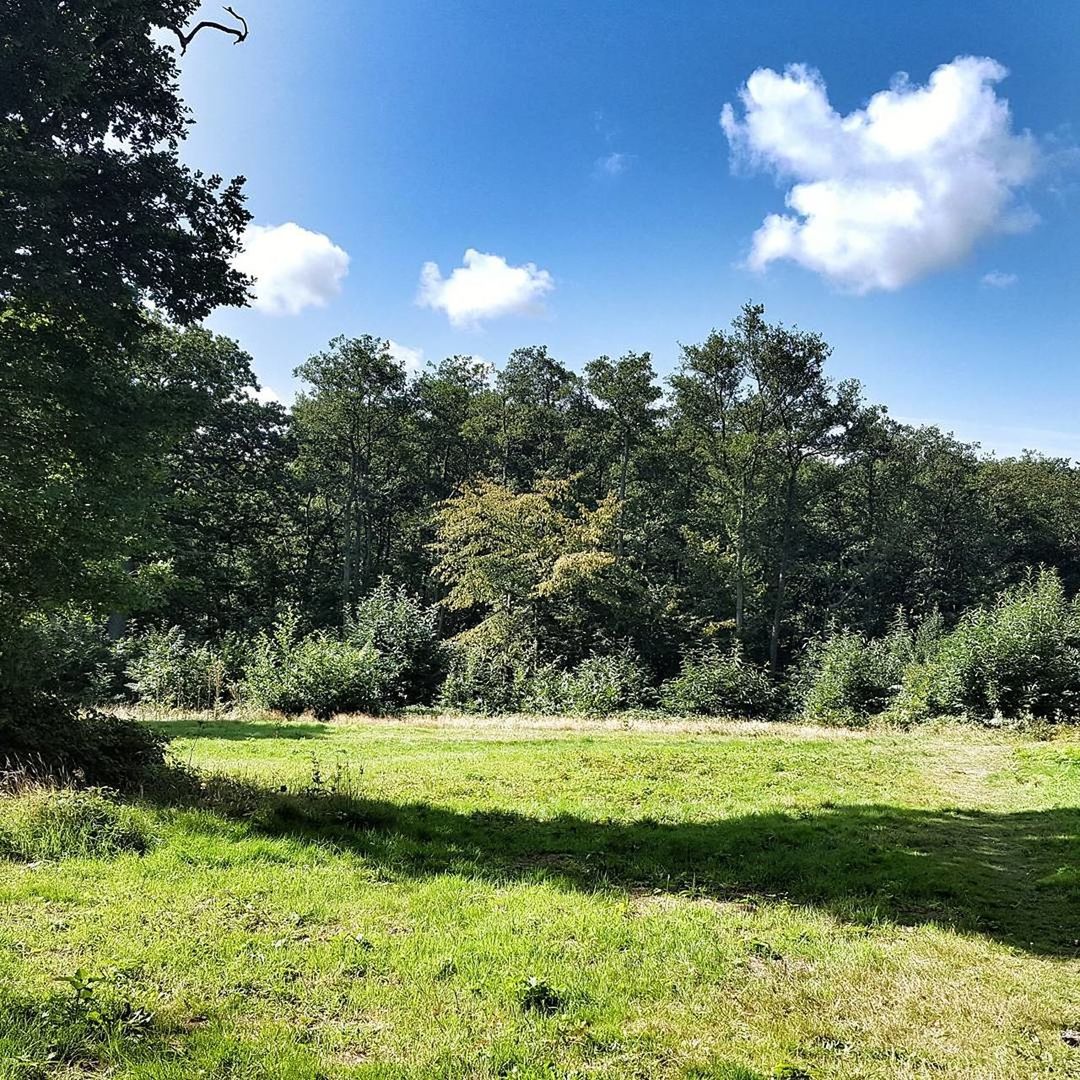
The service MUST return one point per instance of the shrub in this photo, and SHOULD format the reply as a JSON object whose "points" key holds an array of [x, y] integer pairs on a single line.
{"points": [[602, 683], [50, 823], [715, 683], [168, 670], [47, 737], [292, 674], [488, 678], [545, 690], [849, 677], [63, 652], [1018, 658], [405, 633]]}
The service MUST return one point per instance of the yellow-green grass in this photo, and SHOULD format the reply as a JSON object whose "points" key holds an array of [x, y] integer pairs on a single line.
{"points": [[748, 902]]}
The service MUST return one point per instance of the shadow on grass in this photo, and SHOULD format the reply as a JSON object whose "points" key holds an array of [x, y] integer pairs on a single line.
{"points": [[1014, 877], [241, 730]]}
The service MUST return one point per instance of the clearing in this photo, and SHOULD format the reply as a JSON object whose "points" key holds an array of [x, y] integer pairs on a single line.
{"points": [[447, 898]]}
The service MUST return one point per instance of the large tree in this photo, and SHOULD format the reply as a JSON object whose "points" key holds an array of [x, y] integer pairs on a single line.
{"points": [[357, 451], [97, 211], [99, 218], [505, 554], [626, 392]]}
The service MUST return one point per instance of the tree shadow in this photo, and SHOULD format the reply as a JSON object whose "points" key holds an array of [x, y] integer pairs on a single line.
{"points": [[242, 730], [1014, 877]]}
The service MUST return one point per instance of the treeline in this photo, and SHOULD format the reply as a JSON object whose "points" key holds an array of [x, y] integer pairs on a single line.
{"points": [[748, 498], [747, 537]]}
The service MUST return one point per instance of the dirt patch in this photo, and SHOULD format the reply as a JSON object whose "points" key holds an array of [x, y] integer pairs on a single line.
{"points": [[655, 901], [962, 769]]}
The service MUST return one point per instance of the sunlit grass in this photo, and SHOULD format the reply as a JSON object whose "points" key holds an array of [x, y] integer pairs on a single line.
{"points": [[746, 903]]}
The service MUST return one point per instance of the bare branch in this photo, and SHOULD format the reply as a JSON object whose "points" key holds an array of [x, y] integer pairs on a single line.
{"points": [[240, 33]]}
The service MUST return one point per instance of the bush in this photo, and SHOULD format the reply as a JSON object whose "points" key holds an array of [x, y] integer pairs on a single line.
{"points": [[849, 677], [715, 683], [1018, 658], [607, 683], [601, 684], [292, 674], [489, 678], [63, 652], [405, 633], [47, 737], [168, 670], [48, 823]]}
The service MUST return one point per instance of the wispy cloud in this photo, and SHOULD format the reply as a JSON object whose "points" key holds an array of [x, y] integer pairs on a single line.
{"points": [[998, 279], [613, 164]]}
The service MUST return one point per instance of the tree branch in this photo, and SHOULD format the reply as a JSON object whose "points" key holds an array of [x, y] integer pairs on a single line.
{"points": [[206, 24]]}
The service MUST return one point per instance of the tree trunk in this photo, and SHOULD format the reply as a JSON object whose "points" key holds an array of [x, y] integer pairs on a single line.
{"points": [[347, 555], [116, 623], [740, 565], [781, 572], [623, 465]]}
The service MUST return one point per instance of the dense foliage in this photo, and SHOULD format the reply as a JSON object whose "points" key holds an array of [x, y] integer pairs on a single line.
{"points": [[486, 548], [1019, 656], [715, 683], [45, 737]]}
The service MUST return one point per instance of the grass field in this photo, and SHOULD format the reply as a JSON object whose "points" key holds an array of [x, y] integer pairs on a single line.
{"points": [[513, 900]]}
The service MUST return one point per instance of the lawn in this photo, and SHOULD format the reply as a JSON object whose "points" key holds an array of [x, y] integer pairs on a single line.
{"points": [[440, 898]]}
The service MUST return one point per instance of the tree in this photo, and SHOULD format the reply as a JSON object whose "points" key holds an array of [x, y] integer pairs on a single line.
{"points": [[97, 216], [226, 519], [81, 498], [455, 441], [98, 212], [504, 552], [809, 419], [722, 416], [1034, 504], [757, 408], [538, 398], [627, 394], [356, 448]]}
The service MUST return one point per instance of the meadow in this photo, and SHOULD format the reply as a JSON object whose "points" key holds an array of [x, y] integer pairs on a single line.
{"points": [[435, 896]]}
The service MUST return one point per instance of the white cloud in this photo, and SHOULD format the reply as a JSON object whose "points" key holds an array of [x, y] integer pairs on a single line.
{"points": [[412, 360], [485, 287], [998, 279], [266, 395], [890, 192], [293, 268], [613, 164]]}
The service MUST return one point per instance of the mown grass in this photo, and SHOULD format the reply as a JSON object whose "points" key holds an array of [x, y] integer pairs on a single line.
{"points": [[510, 900]]}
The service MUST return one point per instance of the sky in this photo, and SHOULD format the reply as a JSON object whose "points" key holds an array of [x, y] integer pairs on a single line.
{"points": [[599, 177]]}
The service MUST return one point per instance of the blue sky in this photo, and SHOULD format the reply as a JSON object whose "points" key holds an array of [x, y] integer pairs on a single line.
{"points": [[582, 144]]}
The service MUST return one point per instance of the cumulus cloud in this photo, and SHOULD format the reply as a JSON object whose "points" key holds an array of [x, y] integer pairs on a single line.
{"points": [[890, 192], [485, 287], [998, 279], [293, 268], [412, 360], [266, 395]]}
